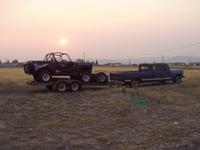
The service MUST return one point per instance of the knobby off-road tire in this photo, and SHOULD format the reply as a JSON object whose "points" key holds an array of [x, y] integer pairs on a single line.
{"points": [[45, 76], [86, 77]]}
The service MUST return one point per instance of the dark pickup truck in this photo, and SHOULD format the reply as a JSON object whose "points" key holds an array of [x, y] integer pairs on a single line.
{"points": [[157, 72], [58, 64]]}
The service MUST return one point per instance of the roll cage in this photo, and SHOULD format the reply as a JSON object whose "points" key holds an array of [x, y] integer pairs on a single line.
{"points": [[57, 57]]}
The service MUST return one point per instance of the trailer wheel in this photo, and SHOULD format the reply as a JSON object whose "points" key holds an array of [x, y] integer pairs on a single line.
{"points": [[49, 87], [101, 78], [75, 86], [86, 77], [61, 87], [45, 76]]}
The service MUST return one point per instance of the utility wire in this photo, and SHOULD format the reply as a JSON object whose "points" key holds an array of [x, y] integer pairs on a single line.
{"points": [[171, 49]]}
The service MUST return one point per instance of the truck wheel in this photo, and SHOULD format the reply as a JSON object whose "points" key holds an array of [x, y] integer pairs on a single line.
{"points": [[101, 78], [75, 86], [45, 76], [135, 83], [177, 80], [61, 87], [86, 77]]}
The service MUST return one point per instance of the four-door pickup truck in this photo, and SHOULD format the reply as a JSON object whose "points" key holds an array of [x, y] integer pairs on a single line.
{"points": [[58, 64], [157, 72]]}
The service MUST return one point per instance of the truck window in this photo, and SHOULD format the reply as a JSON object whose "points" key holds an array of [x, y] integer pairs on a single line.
{"points": [[145, 68], [160, 68]]}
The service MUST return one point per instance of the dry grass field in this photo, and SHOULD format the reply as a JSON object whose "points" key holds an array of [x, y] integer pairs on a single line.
{"points": [[32, 118]]}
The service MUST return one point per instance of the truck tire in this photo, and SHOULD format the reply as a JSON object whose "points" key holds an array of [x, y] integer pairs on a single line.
{"points": [[101, 78], [86, 77], [135, 83], [177, 80], [75, 86], [45, 76], [61, 87]]}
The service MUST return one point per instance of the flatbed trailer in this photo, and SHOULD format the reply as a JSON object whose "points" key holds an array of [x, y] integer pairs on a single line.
{"points": [[59, 85], [66, 84]]}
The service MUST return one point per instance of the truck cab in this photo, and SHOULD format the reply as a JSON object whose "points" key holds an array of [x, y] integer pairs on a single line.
{"points": [[156, 72]]}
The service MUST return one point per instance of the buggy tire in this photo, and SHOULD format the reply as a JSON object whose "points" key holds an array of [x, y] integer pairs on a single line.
{"points": [[45, 76], [86, 77]]}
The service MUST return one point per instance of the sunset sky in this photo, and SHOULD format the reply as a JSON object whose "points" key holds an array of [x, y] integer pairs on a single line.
{"points": [[109, 29]]}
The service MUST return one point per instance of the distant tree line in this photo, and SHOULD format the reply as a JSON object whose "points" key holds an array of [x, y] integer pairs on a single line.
{"points": [[13, 63]]}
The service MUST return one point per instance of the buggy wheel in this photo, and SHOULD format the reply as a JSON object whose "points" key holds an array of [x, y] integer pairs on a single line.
{"points": [[61, 87], [86, 77], [75, 86], [45, 76]]}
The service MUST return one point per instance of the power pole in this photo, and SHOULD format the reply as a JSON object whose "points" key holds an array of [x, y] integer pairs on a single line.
{"points": [[84, 56], [163, 59], [129, 62]]}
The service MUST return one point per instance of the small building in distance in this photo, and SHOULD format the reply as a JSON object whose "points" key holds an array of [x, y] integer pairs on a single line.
{"points": [[114, 64], [177, 64], [194, 64]]}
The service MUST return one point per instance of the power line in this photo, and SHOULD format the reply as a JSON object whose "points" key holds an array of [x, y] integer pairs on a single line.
{"points": [[171, 49]]}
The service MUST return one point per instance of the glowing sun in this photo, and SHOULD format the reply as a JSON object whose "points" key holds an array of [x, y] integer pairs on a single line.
{"points": [[63, 41]]}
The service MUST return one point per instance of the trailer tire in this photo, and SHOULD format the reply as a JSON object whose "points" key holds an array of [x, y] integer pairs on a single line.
{"points": [[49, 87], [61, 87], [75, 86]]}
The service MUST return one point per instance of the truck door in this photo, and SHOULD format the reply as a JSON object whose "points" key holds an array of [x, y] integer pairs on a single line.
{"points": [[146, 72], [160, 72]]}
